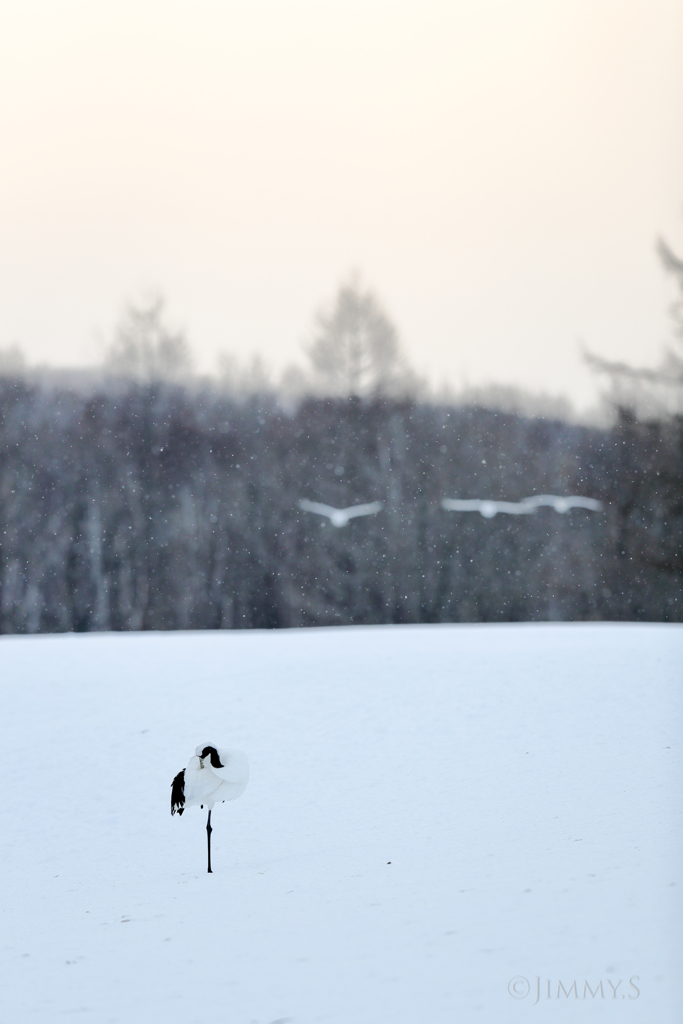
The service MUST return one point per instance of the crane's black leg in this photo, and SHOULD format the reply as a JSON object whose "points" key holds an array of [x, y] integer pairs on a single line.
{"points": [[209, 830]]}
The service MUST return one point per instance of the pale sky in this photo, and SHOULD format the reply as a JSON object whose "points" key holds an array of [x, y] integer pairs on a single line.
{"points": [[498, 170]]}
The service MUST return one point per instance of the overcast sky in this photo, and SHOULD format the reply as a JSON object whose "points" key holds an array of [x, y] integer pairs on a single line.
{"points": [[498, 170]]}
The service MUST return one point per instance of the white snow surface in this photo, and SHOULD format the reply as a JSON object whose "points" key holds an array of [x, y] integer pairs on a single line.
{"points": [[523, 782]]}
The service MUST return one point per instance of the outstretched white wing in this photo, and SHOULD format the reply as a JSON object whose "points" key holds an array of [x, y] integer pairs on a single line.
{"points": [[368, 509], [461, 504], [318, 508], [561, 503], [578, 502]]}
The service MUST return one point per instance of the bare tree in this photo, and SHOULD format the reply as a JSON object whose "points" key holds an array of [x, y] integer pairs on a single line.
{"points": [[356, 349], [145, 349], [244, 378], [673, 360], [651, 390], [12, 361]]}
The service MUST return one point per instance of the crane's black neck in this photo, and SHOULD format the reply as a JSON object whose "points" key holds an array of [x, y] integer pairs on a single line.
{"points": [[213, 753]]}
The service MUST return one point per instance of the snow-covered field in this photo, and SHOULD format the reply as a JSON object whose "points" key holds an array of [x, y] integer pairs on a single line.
{"points": [[433, 812]]}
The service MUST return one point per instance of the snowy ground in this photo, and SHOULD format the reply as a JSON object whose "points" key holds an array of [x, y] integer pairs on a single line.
{"points": [[522, 781]]}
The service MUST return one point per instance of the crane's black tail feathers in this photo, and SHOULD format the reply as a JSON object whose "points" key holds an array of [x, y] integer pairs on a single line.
{"points": [[178, 793]]}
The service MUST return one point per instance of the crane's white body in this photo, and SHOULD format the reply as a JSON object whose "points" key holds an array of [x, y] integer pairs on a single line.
{"points": [[206, 786], [340, 516]]}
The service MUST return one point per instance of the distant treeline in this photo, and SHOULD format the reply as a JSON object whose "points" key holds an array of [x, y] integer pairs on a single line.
{"points": [[149, 505]]}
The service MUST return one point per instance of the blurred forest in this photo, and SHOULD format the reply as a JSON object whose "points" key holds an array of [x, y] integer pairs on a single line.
{"points": [[144, 497]]}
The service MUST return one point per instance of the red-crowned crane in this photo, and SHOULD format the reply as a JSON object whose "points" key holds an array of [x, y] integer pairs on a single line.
{"points": [[214, 775], [340, 516]]}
